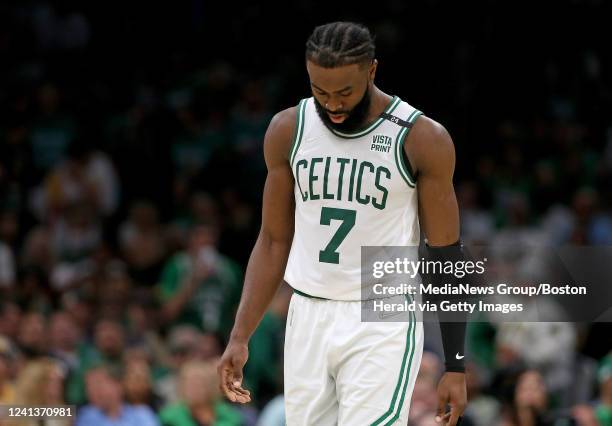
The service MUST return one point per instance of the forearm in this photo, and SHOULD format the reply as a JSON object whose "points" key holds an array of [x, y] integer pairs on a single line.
{"points": [[263, 276], [452, 324]]}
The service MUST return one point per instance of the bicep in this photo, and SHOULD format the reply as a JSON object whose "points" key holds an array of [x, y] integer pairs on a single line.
{"points": [[278, 204], [278, 198], [438, 209]]}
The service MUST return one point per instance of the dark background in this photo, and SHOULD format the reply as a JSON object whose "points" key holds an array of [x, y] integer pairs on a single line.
{"points": [[174, 99]]}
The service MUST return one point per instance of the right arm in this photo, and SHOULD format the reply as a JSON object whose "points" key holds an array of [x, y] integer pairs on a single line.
{"points": [[269, 257]]}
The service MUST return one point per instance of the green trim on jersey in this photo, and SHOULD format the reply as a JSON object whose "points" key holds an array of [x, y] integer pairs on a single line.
{"points": [[298, 131], [301, 293], [394, 410], [392, 105], [405, 169]]}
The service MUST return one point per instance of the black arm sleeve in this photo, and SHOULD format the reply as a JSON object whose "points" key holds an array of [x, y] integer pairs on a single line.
{"points": [[452, 324]]}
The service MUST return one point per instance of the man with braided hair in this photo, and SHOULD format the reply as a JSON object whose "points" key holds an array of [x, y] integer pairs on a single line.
{"points": [[342, 174]]}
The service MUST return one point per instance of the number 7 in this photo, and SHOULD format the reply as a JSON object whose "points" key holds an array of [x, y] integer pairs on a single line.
{"points": [[330, 255]]}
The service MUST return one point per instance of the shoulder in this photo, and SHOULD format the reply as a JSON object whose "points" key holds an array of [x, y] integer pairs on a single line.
{"points": [[279, 135], [226, 412], [430, 146], [88, 412], [284, 121], [141, 412]]}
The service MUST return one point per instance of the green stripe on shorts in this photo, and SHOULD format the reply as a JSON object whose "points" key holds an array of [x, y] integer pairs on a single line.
{"points": [[391, 411]]}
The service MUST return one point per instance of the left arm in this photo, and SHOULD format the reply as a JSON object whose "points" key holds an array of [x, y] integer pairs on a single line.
{"points": [[431, 153]]}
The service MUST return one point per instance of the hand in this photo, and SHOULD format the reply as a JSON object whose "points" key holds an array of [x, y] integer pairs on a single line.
{"points": [[230, 372], [201, 271], [451, 391]]}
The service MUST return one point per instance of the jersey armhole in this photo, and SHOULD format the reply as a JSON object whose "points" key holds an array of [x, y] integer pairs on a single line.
{"points": [[401, 159], [298, 131]]}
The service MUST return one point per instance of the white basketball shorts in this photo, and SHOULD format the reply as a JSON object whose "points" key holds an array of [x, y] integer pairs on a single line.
{"points": [[342, 371]]}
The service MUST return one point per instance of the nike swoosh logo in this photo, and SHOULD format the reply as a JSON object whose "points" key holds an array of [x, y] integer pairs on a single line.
{"points": [[459, 356]]}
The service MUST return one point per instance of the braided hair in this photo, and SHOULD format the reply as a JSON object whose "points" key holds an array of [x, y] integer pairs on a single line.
{"points": [[340, 43]]}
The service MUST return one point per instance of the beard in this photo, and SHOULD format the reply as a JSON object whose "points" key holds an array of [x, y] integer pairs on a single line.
{"points": [[355, 119]]}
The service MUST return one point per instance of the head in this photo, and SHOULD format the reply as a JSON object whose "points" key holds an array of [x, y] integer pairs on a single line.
{"points": [[10, 319], [103, 385], [109, 338], [63, 332], [531, 391], [7, 356], [33, 334], [203, 235], [341, 66], [137, 382], [183, 342], [210, 346], [40, 382], [198, 383]]}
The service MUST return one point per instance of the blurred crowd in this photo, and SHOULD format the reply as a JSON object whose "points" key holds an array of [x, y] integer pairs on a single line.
{"points": [[130, 196]]}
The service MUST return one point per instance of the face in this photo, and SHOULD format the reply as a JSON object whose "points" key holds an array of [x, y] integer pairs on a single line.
{"points": [[137, 383], [342, 94], [63, 332], [531, 390], [55, 385], [109, 338], [103, 391]]}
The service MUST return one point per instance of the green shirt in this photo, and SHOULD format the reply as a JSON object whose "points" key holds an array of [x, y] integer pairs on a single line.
{"points": [[179, 415], [212, 307]]}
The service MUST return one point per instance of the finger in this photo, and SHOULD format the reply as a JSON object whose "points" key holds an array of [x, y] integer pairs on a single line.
{"points": [[243, 399], [443, 418], [232, 392], [236, 374], [236, 387], [441, 407], [454, 416], [224, 382]]}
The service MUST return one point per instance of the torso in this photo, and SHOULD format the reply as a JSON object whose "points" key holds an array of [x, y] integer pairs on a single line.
{"points": [[350, 191]]}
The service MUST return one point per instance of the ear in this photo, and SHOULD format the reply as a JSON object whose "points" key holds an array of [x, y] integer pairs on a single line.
{"points": [[372, 71]]}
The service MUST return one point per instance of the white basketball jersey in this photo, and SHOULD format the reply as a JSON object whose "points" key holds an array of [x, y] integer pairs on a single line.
{"points": [[351, 190]]}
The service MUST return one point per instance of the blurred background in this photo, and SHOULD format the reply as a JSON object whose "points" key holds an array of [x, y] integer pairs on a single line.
{"points": [[131, 173]]}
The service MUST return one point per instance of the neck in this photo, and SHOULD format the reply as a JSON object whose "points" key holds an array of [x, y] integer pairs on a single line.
{"points": [[112, 411], [526, 416], [203, 413], [379, 102]]}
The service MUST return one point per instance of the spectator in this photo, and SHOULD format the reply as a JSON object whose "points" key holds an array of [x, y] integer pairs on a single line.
{"points": [[142, 243], [530, 403], [33, 335], [53, 129], [64, 337], [86, 177], [584, 415], [66, 346], [183, 342], [41, 382], [603, 410], [107, 406], [7, 388], [200, 286], [108, 348], [138, 386], [200, 399], [10, 319], [482, 409], [7, 267], [424, 402]]}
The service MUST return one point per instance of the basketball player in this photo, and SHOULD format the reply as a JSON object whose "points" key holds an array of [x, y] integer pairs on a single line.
{"points": [[342, 173]]}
